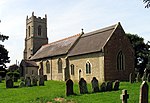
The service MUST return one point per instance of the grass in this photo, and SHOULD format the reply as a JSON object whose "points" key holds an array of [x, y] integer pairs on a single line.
{"points": [[55, 90]]}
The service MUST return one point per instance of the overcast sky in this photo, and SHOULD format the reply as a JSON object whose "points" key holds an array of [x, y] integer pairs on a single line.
{"points": [[67, 17]]}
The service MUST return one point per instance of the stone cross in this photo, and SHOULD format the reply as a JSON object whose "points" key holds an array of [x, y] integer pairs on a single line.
{"points": [[143, 93], [69, 87], [124, 96]]}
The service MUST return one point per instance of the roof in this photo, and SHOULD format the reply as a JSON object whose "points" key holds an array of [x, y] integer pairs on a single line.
{"points": [[28, 63], [92, 41], [55, 48]]}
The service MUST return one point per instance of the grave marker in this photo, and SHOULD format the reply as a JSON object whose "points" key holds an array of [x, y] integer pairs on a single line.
{"points": [[95, 85], [124, 96], [83, 86], [143, 93], [69, 87], [116, 85]]}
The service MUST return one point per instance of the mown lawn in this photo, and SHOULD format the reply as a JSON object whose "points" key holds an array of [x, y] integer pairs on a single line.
{"points": [[56, 90]]}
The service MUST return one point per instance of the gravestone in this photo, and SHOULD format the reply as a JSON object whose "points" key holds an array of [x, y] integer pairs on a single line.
{"points": [[9, 83], [27, 82], [83, 86], [95, 85], [131, 77], [124, 96], [22, 84], [34, 80], [109, 86], [103, 87], [69, 87], [148, 78], [45, 77], [116, 85], [0, 79], [143, 93], [41, 80], [138, 79]]}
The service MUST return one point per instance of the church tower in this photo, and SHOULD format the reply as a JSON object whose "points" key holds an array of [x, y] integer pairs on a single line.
{"points": [[36, 35]]}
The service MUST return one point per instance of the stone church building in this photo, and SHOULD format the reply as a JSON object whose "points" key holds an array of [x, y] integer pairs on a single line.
{"points": [[106, 54]]}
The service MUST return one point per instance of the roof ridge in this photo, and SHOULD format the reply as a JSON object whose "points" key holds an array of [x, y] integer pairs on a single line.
{"points": [[62, 39]]}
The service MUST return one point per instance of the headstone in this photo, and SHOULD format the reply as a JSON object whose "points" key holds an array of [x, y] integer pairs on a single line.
{"points": [[131, 77], [144, 78], [95, 85], [45, 77], [138, 79], [41, 80], [143, 93], [34, 81], [148, 78], [103, 87], [109, 86], [83, 86], [22, 84], [27, 82], [9, 83], [0, 79], [124, 96], [116, 85], [69, 87]]}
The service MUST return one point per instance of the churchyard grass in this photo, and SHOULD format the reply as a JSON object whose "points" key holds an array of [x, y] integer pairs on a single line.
{"points": [[56, 89]]}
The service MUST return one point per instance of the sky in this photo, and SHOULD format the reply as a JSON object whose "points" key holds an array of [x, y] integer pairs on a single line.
{"points": [[68, 17]]}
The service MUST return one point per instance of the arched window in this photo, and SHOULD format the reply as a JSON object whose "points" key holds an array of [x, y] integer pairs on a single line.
{"points": [[59, 65], [72, 69], [88, 68], [47, 67], [41, 68], [39, 30], [120, 61], [29, 31]]}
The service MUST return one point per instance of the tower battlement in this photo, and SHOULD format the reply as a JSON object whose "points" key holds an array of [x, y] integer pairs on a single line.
{"points": [[34, 18]]}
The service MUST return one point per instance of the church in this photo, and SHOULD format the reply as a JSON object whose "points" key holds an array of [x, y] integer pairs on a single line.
{"points": [[106, 53]]}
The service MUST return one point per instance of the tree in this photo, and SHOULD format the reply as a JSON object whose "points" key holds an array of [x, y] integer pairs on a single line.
{"points": [[147, 2], [3, 56], [141, 52]]}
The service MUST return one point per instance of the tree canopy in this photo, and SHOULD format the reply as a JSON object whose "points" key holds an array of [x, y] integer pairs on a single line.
{"points": [[147, 2], [3, 56], [141, 52]]}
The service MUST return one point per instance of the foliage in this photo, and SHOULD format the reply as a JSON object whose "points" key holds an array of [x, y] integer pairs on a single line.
{"points": [[3, 37], [56, 89], [141, 51], [147, 2], [3, 56], [3, 59]]}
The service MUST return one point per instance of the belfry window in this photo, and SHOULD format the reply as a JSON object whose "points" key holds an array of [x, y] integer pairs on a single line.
{"points": [[120, 61], [72, 69], [88, 68], [59, 65], [47, 67], [39, 30]]}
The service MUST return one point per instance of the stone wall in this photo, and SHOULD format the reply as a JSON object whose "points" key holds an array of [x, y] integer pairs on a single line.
{"points": [[118, 42], [97, 70]]}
